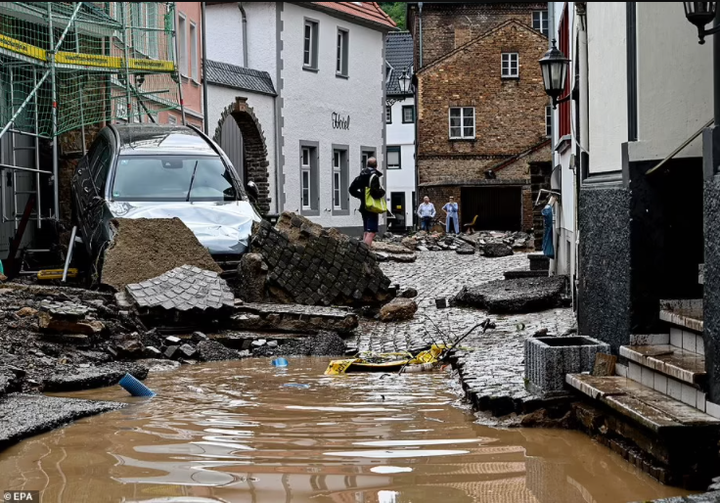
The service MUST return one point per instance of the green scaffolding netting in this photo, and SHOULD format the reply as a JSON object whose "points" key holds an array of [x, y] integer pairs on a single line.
{"points": [[115, 62]]}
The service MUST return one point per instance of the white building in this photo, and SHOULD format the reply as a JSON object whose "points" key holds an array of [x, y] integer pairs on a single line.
{"points": [[303, 85], [400, 124]]}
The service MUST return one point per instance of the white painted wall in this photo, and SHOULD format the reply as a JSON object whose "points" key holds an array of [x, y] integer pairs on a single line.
{"points": [[675, 96], [219, 98], [225, 38], [607, 75], [310, 98], [403, 179]]}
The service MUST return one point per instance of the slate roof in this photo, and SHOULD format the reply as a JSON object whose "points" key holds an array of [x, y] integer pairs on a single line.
{"points": [[399, 55], [237, 77], [368, 11]]}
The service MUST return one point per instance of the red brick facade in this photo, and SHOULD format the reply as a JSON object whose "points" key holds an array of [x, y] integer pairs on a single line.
{"points": [[462, 60]]}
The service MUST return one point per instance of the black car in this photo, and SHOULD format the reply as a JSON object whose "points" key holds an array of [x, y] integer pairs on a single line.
{"points": [[159, 171]]}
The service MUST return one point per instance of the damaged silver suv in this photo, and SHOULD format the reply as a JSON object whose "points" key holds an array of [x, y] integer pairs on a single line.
{"points": [[158, 171]]}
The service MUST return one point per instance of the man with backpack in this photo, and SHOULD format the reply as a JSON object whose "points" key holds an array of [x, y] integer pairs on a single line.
{"points": [[369, 178]]}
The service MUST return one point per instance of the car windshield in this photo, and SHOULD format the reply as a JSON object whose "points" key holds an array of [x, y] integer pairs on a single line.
{"points": [[172, 178]]}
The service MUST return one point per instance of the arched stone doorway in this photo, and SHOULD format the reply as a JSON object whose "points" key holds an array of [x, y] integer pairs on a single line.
{"points": [[254, 166]]}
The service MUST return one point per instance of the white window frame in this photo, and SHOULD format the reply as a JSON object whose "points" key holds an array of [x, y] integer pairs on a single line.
{"points": [[507, 71], [365, 155], [182, 44], [342, 53], [337, 179], [194, 59], [548, 121], [542, 24], [310, 57], [464, 114]]}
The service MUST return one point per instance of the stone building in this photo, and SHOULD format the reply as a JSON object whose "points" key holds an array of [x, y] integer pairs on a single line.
{"points": [[296, 95], [482, 110]]}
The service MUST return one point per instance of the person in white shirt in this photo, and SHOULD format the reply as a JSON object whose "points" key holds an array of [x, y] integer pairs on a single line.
{"points": [[426, 212]]}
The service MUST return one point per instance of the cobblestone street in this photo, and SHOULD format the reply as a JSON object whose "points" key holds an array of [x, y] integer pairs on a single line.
{"points": [[493, 371]]}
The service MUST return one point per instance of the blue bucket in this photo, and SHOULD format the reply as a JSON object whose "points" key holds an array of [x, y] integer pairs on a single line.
{"points": [[135, 387], [280, 362]]}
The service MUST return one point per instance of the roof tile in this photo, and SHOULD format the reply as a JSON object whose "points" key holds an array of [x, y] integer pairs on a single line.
{"points": [[238, 77]]}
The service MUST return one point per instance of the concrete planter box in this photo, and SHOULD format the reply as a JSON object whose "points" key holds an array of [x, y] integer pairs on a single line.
{"points": [[549, 359]]}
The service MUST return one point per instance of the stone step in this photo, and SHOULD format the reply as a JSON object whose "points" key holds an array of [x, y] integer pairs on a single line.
{"points": [[684, 313], [524, 273], [668, 360], [646, 406]]}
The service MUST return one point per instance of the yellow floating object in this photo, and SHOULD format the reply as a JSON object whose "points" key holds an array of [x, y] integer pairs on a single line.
{"points": [[49, 274], [386, 362]]}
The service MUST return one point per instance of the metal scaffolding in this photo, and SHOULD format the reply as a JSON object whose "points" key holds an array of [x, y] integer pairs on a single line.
{"points": [[69, 66]]}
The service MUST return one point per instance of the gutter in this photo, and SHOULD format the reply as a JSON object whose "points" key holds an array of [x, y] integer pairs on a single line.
{"points": [[204, 66], [420, 55], [244, 32]]}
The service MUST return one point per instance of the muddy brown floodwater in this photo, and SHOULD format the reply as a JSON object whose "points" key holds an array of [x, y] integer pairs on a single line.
{"points": [[249, 432]]}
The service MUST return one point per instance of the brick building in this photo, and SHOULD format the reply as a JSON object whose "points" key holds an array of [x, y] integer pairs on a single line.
{"points": [[483, 118]]}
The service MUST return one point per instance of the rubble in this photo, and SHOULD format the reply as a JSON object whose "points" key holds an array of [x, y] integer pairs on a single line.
{"points": [[397, 253], [186, 288], [311, 265], [252, 276], [79, 378], [524, 295], [494, 250], [292, 318], [479, 241], [321, 344], [67, 318], [213, 351], [26, 415], [146, 248], [400, 309], [409, 293], [465, 250]]}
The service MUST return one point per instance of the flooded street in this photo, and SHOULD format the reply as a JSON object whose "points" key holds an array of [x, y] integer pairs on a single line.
{"points": [[249, 432]]}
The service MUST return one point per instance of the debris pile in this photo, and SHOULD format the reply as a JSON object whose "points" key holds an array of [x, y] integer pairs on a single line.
{"points": [[488, 243], [525, 295], [146, 248], [311, 265]]}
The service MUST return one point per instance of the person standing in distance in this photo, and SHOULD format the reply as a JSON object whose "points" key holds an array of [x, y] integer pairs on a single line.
{"points": [[357, 189]]}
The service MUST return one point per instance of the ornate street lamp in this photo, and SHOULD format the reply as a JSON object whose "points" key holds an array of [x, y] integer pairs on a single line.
{"points": [[554, 66], [700, 14], [405, 82]]}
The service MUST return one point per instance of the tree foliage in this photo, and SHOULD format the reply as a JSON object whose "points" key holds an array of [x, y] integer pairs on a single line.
{"points": [[396, 10]]}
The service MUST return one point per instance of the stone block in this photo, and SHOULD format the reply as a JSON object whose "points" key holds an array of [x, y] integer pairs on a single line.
{"points": [[549, 359]]}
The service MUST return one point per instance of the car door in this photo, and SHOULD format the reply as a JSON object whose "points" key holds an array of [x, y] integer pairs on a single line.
{"points": [[96, 207], [82, 187]]}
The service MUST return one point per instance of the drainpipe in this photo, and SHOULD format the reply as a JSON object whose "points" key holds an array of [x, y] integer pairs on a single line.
{"points": [[420, 55], [204, 66], [244, 31], [417, 114]]}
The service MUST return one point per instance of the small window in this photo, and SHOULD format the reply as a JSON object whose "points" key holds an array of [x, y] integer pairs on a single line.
{"points": [[548, 121], [388, 114], [388, 72], [408, 114], [310, 47], [182, 45], [306, 177], [364, 156], [337, 180], [393, 158], [172, 119], [462, 123], [540, 21], [194, 61], [102, 168], [341, 65], [510, 67]]}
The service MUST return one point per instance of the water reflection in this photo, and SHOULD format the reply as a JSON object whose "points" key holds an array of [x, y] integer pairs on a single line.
{"points": [[234, 433]]}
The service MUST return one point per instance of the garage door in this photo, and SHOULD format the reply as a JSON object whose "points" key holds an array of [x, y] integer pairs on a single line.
{"points": [[497, 208]]}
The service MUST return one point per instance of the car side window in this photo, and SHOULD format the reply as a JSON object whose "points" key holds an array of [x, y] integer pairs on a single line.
{"points": [[101, 168]]}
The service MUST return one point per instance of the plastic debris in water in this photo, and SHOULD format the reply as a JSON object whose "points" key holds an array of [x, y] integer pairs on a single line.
{"points": [[280, 362], [135, 387], [296, 385]]}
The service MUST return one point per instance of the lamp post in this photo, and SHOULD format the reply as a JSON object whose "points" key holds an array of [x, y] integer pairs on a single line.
{"points": [[404, 81], [554, 66]]}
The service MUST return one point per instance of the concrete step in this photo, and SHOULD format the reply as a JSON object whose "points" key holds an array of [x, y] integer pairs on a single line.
{"points": [[524, 273], [643, 405], [670, 361], [686, 314]]}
